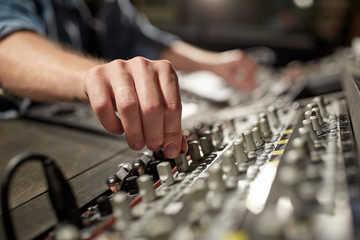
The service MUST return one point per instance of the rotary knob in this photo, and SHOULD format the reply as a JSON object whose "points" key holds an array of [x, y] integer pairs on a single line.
{"points": [[182, 163], [228, 163], [165, 173], [194, 150], [249, 141], [146, 188], [239, 149], [215, 180]]}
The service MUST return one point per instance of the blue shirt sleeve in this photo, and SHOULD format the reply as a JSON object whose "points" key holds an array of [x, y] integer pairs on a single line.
{"points": [[16, 15], [141, 36]]}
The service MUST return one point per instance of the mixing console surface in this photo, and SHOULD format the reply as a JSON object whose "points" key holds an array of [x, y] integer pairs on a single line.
{"points": [[259, 165], [286, 173]]}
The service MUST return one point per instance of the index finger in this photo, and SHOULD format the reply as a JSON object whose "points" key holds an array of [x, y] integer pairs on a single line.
{"points": [[169, 88]]}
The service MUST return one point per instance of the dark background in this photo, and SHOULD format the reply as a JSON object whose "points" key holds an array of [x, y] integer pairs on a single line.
{"points": [[294, 29]]}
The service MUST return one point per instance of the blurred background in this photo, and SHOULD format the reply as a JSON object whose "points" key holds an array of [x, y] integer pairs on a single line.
{"points": [[294, 29]]}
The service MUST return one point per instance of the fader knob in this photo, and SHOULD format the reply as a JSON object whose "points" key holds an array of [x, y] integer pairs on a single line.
{"points": [[165, 173], [194, 151], [316, 124], [215, 181], [257, 137], [228, 163], [120, 205], [182, 163], [240, 154], [264, 127], [147, 190], [274, 116], [308, 126], [249, 141]]}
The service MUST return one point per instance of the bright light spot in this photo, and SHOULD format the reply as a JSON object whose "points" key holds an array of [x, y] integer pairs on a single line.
{"points": [[304, 3]]}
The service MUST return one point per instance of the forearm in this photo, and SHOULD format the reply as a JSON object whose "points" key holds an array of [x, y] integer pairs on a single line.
{"points": [[33, 67]]}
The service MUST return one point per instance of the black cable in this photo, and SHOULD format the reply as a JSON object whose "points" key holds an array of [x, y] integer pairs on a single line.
{"points": [[62, 198]]}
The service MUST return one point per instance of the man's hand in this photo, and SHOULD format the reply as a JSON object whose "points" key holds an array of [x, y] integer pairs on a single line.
{"points": [[237, 69], [146, 96]]}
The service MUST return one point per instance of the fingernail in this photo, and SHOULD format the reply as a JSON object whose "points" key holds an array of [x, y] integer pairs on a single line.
{"points": [[171, 150], [137, 146]]}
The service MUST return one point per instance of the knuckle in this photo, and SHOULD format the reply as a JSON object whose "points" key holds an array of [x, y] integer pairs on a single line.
{"points": [[118, 63], [151, 107], [165, 65], [127, 104], [140, 60], [98, 105], [173, 107]]}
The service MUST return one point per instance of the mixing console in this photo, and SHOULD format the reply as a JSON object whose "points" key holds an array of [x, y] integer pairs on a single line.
{"points": [[259, 166], [288, 173]]}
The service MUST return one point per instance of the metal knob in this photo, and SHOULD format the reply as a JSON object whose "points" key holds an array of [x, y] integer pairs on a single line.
{"points": [[274, 116], [194, 150], [228, 163], [257, 137], [320, 103], [239, 149], [264, 127], [205, 147], [165, 173], [316, 125], [249, 141], [305, 136], [215, 180], [182, 163], [147, 190], [120, 205], [308, 126]]}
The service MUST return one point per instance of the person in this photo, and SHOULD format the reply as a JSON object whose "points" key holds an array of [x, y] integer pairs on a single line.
{"points": [[107, 54]]}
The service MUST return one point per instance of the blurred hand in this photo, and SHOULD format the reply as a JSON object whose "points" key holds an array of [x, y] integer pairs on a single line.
{"points": [[146, 96], [237, 69]]}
